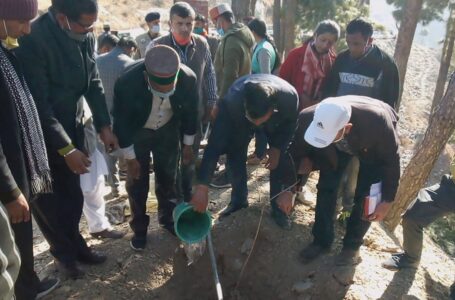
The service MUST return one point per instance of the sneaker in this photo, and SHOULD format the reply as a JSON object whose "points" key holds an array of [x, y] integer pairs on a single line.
{"points": [[348, 257], [400, 261], [311, 252], [221, 181], [138, 243], [46, 286]]}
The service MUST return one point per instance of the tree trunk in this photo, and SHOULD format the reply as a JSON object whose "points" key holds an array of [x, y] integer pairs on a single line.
{"points": [[253, 7], [241, 9], [277, 24], [411, 9], [440, 129], [446, 58], [290, 7]]}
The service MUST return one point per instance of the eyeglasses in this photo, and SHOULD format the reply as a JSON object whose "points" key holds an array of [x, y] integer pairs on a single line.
{"points": [[83, 26]]}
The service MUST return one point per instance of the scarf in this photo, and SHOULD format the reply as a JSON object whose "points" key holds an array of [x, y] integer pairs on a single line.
{"points": [[315, 70], [30, 127]]}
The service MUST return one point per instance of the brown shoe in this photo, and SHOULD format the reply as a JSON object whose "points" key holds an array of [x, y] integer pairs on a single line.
{"points": [[348, 257], [108, 234]]}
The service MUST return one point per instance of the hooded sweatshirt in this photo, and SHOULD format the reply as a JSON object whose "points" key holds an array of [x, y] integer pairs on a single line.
{"points": [[233, 57]]}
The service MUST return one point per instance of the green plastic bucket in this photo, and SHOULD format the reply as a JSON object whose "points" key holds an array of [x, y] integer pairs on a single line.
{"points": [[191, 226]]}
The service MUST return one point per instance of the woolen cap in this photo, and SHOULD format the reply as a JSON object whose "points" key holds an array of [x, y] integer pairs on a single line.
{"points": [[18, 9], [330, 116], [219, 10], [162, 61]]}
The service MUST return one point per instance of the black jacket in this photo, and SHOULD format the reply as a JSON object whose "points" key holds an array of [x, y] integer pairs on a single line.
{"points": [[374, 75], [13, 169], [133, 102], [60, 72], [373, 139]]}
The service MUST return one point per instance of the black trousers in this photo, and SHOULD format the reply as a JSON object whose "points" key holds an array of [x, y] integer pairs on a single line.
{"points": [[27, 283], [329, 180], [164, 144], [58, 214]]}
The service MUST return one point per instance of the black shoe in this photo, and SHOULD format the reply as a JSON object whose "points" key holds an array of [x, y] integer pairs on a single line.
{"points": [[69, 270], [46, 286], [311, 252], [400, 261], [91, 257], [108, 234], [231, 208], [281, 219], [138, 243], [348, 257], [221, 181]]}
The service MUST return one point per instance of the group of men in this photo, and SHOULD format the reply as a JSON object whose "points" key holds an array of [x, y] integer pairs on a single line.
{"points": [[158, 105]]}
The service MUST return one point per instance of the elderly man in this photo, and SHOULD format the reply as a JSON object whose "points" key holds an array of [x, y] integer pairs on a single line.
{"points": [[195, 53], [153, 100], [260, 100], [327, 136], [143, 40], [24, 166], [59, 65]]}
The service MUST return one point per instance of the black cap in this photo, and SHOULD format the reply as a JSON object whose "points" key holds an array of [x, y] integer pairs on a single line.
{"points": [[152, 16]]}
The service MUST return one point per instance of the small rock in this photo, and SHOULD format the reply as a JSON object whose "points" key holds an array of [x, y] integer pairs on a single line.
{"points": [[301, 286], [247, 246], [65, 289]]}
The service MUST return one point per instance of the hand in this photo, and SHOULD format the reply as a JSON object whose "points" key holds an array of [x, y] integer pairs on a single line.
{"points": [[208, 114], [274, 158], [187, 154], [286, 202], [200, 199], [109, 139], [214, 112], [78, 162], [305, 166], [133, 168], [381, 212], [18, 210]]}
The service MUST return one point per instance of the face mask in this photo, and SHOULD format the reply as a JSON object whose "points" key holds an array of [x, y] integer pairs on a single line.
{"points": [[78, 37], [342, 136], [198, 30], [9, 43], [155, 29], [181, 40]]}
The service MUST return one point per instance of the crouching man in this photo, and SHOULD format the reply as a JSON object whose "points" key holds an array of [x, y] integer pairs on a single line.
{"points": [[327, 136]]}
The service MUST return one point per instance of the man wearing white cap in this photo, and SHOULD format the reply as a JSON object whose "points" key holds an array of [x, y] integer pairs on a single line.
{"points": [[327, 136]]}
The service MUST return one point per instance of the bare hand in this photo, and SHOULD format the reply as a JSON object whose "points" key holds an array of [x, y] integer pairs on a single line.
{"points": [[187, 154], [286, 202], [381, 212], [133, 168], [200, 199], [305, 166], [18, 210], [274, 158], [214, 113], [78, 162], [109, 139]]}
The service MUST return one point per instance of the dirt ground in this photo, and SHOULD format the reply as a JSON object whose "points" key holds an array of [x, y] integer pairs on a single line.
{"points": [[274, 270]]}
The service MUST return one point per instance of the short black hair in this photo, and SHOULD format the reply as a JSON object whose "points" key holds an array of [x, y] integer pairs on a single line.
{"points": [[183, 10], [108, 40], [258, 26], [259, 99], [200, 18], [361, 26], [74, 9], [127, 42], [152, 16], [228, 16]]}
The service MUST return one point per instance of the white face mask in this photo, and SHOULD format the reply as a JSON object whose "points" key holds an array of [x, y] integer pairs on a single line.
{"points": [[155, 28]]}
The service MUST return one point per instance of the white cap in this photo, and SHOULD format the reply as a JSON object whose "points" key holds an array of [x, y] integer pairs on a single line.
{"points": [[330, 116], [219, 10]]}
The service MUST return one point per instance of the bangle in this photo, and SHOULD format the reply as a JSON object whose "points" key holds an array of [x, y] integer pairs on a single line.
{"points": [[71, 151]]}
